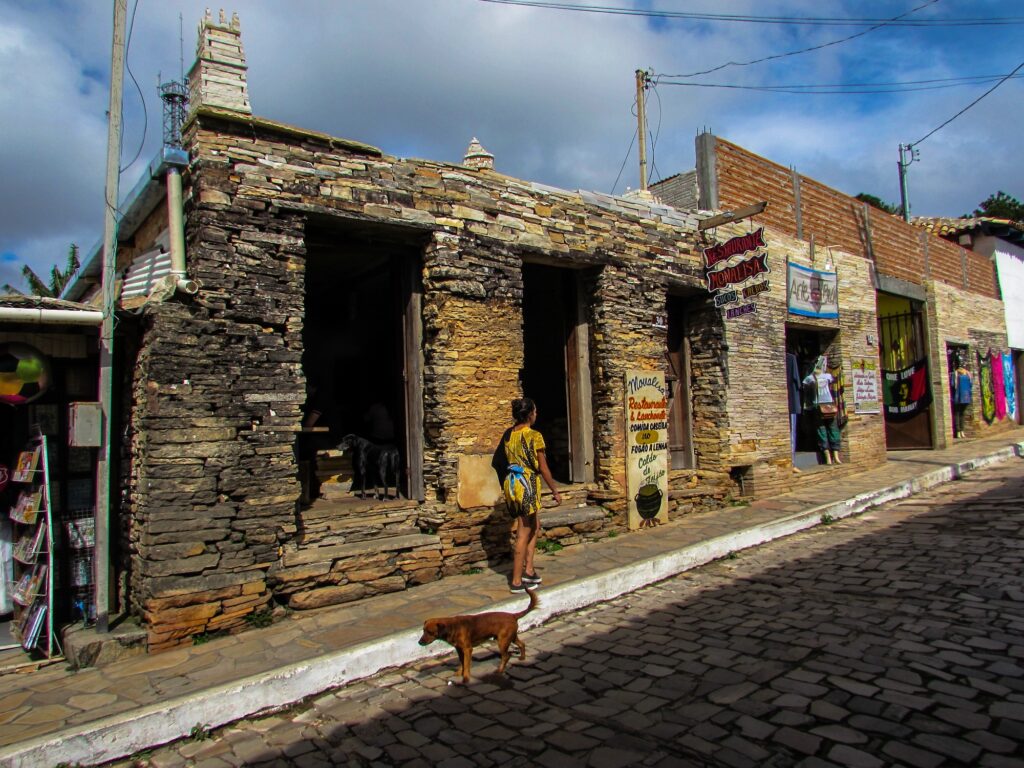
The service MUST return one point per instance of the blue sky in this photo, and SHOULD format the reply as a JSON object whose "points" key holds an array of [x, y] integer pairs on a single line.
{"points": [[550, 93]]}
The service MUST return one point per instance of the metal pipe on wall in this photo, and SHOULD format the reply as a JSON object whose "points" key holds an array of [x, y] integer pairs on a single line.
{"points": [[51, 316]]}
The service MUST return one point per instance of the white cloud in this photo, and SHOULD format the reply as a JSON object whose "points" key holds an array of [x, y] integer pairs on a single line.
{"points": [[549, 93]]}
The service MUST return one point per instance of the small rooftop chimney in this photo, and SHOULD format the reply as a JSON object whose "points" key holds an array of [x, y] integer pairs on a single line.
{"points": [[477, 157], [218, 78]]}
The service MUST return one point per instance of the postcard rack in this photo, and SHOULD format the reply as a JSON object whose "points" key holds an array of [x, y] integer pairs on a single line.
{"points": [[32, 521]]}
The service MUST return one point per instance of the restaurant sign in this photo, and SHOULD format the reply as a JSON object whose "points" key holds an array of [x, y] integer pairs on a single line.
{"points": [[811, 292], [646, 448], [735, 283]]}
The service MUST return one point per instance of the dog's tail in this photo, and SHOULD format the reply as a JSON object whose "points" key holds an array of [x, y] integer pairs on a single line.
{"points": [[534, 602]]}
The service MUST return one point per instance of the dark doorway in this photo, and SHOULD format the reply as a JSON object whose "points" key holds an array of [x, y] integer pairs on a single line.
{"points": [[362, 338], [808, 345], [556, 369], [680, 404], [956, 355]]}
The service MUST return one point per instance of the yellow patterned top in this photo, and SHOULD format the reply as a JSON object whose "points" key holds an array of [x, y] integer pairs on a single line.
{"points": [[522, 483]]}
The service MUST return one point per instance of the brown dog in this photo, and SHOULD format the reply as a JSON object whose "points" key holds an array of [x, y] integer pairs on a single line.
{"points": [[464, 632]]}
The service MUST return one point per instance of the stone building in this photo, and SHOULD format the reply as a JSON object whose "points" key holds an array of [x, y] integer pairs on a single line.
{"points": [[430, 294], [936, 301]]}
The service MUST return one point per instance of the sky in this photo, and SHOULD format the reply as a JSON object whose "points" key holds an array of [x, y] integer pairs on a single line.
{"points": [[551, 93]]}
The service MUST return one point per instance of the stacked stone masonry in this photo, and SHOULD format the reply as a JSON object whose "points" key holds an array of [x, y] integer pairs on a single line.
{"points": [[216, 534]]}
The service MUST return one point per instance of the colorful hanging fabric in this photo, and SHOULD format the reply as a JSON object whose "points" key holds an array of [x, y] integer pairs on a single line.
{"points": [[988, 398], [1009, 379], [906, 391], [998, 387]]}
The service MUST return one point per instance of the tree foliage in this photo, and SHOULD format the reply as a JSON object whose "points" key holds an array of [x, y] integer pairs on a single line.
{"points": [[1000, 206], [58, 278], [880, 204]]}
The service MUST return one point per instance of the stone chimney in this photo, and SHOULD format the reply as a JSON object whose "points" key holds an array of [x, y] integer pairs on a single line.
{"points": [[477, 157], [218, 78]]}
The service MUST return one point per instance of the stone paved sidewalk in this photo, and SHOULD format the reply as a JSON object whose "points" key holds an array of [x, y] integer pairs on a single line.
{"points": [[56, 715]]}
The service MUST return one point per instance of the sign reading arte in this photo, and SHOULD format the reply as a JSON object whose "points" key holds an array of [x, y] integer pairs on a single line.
{"points": [[724, 279], [811, 292], [646, 448]]}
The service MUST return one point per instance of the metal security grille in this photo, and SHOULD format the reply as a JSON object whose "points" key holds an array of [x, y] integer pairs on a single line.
{"points": [[902, 339]]}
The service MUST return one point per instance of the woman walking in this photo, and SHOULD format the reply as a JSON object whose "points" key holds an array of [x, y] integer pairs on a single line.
{"points": [[525, 451]]}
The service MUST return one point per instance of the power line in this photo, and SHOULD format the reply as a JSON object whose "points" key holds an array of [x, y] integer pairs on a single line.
{"points": [[625, 160], [954, 117], [834, 21], [887, 23], [821, 89], [142, 98], [656, 135]]}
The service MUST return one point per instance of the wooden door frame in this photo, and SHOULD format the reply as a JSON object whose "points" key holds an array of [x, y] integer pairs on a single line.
{"points": [[412, 373], [680, 391], [579, 396]]}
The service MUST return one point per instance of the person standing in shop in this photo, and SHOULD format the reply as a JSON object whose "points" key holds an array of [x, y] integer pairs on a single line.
{"points": [[962, 387]]}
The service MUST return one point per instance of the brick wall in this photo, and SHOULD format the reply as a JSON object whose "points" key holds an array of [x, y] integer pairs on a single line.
{"points": [[898, 249]]}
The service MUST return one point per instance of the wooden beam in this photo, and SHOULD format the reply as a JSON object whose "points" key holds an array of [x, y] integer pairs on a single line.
{"points": [[737, 215]]}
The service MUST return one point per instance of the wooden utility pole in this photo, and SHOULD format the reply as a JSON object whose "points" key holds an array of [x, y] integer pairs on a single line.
{"points": [[641, 117], [101, 554]]}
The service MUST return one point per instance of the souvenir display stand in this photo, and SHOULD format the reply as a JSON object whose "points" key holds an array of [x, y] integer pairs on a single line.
{"points": [[32, 521]]}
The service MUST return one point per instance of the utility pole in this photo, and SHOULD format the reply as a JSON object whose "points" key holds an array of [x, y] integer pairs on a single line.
{"points": [[908, 154], [641, 117], [101, 554]]}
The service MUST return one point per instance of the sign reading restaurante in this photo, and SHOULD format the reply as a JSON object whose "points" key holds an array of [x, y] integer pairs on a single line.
{"points": [[646, 448], [724, 280]]}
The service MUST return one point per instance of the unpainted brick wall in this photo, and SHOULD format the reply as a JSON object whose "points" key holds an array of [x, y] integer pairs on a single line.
{"points": [[841, 221]]}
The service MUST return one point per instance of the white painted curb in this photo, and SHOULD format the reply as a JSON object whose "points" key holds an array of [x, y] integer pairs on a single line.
{"points": [[124, 734]]}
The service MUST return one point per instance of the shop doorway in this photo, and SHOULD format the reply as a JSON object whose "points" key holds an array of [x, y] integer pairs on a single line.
{"points": [[905, 376], [363, 343], [556, 368], [956, 355], [809, 346], [677, 380], [60, 487]]}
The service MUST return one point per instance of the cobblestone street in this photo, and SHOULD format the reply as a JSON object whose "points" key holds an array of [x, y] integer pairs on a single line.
{"points": [[890, 638]]}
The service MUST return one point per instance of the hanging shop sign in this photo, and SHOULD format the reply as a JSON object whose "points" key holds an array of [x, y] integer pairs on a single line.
{"points": [[811, 292], [646, 448], [865, 386], [737, 283], [906, 391]]}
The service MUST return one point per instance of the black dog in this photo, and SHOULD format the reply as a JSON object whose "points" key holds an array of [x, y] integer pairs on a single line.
{"points": [[382, 459]]}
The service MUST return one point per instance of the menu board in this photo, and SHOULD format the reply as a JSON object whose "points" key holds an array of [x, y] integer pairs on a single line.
{"points": [[646, 448]]}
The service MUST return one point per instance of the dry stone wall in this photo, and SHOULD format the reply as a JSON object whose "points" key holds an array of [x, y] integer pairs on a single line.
{"points": [[218, 395]]}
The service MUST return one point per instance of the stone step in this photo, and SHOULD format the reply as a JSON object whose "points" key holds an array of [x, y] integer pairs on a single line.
{"points": [[564, 515], [307, 555]]}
